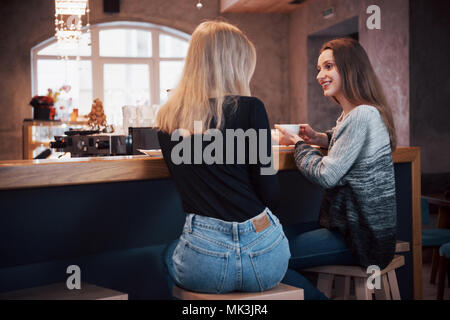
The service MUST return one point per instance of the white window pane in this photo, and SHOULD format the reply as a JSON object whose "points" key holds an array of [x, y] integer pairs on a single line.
{"points": [[125, 84], [53, 74], [82, 48], [171, 47], [170, 73], [125, 43]]}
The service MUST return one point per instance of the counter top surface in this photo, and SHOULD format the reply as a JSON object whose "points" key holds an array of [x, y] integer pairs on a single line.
{"points": [[16, 174]]}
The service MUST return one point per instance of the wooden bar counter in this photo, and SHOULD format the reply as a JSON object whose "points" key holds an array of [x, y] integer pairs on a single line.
{"points": [[113, 209], [45, 173]]}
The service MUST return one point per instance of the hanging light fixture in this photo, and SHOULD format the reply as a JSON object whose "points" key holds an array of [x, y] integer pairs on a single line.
{"points": [[199, 4], [69, 24]]}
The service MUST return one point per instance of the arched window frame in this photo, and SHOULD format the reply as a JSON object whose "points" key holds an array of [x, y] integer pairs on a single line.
{"points": [[98, 61]]}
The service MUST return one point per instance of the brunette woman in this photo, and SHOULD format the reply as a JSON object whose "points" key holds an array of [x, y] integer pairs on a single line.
{"points": [[358, 213]]}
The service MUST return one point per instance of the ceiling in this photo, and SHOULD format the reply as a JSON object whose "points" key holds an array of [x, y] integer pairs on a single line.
{"points": [[260, 6]]}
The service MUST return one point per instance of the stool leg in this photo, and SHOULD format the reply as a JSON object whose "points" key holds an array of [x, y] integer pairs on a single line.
{"points": [[434, 265], [447, 262], [383, 293], [361, 290], [325, 283], [394, 285], [441, 278], [342, 284]]}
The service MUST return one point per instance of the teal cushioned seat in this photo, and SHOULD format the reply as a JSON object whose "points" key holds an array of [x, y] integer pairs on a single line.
{"points": [[432, 237], [444, 250], [435, 237]]}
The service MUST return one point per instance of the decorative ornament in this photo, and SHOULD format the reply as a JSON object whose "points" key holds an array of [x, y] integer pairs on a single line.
{"points": [[97, 118], [69, 24]]}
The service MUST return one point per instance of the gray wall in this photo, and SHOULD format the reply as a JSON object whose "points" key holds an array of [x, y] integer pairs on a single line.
{"points": [[430, 84], [26, 23]]}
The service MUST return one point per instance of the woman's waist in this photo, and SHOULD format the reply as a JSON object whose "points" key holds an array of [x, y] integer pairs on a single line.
{"points": [[256, 224]]}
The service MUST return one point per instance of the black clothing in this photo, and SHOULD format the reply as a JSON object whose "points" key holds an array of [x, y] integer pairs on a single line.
{"points": [[230, 192]]}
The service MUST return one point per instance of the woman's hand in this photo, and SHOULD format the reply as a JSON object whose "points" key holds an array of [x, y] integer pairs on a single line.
{"points": [[310, 136], [285, 137]]}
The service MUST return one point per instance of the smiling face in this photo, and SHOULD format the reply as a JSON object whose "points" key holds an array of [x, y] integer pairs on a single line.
{"points": [[328, 76]]}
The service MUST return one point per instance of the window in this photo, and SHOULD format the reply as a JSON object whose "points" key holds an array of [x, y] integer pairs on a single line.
{"points": [[127, 63]]}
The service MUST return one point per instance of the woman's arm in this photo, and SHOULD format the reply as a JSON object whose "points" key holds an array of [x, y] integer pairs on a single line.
{"points": [[328, 170]]}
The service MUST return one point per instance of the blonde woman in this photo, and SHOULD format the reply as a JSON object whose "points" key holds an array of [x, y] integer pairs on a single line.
{"points": [[231, 240]]}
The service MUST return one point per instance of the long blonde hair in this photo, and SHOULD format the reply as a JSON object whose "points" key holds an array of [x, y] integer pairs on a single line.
{"points": [[359, 81], [220, 62]]}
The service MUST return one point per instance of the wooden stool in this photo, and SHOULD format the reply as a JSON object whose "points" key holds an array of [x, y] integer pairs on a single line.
{"points": [[59, 291], [359, 275], [280, 292], [344, 274]]}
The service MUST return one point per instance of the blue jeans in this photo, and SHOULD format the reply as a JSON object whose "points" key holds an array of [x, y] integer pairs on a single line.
{"points": [[215, 256], [317, 248]]}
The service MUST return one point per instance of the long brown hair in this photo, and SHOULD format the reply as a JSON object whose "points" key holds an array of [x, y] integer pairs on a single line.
{"points": [[360, 84]]}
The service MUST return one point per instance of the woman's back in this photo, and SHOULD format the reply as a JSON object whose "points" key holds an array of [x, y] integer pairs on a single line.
{"points": [[227, 189]]}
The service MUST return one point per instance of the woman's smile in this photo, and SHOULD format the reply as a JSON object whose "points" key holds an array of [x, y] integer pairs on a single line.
{"points": [[325, 84], [328, 76]]}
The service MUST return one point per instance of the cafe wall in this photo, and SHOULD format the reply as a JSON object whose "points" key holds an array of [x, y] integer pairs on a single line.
{"points": [[26, 23], [430, 88], [407, 54], [388, 50]]}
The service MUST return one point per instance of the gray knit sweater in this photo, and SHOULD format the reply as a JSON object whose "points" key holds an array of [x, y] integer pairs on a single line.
{"points": [[358, 175]]}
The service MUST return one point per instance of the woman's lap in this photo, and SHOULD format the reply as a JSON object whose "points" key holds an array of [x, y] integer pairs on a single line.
{"points": [[318, 247]]}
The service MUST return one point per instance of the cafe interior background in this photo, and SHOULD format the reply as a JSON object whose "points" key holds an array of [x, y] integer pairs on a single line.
{"points": [[135, 49]]}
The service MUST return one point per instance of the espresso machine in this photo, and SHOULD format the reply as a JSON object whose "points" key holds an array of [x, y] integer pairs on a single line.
{"points": [[90, 144], [93, 143]]}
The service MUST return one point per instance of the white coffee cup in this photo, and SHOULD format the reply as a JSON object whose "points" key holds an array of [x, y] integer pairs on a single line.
{"points": [[294, 128]]}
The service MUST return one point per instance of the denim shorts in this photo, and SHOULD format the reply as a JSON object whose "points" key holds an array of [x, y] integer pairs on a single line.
{"points": [[215, 256]]}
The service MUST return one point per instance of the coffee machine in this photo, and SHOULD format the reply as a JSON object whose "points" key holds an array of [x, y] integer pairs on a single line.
{"points": [[92, 143], [88, 144]]}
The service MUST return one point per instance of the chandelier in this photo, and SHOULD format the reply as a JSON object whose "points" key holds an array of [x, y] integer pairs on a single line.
{"points": [[69, 24]]}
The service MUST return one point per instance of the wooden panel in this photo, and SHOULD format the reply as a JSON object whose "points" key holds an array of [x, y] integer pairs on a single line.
{"points": [[280, 292], [259, 6], [416, 224], [402, 246], [16, 174], [406, 154], [35, 173], [59, 291]]}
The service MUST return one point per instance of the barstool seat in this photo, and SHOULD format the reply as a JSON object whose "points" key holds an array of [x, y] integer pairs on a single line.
{"points": [[280, 292], [344, 275]]}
